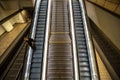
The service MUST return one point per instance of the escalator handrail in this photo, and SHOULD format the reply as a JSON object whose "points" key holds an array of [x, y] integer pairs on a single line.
{"points": [[93, 67], [29, 52]]}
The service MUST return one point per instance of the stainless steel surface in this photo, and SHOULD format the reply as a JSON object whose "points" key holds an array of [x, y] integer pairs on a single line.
{"points": [[60, 56]]}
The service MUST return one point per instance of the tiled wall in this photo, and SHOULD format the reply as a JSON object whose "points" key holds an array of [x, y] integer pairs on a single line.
{"points": [[111, 5]]}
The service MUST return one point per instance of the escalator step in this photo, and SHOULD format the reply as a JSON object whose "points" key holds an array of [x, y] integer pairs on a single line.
{"points": [[82, 59], [36, 65], [35, 76], [37, 55], [35, 60], [84, 74], [83, 64], [35, 70], [82, 55], [86, 69]]}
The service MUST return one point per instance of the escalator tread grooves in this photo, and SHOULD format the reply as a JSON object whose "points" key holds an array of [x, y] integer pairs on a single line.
{"points": [[37, 57], [84, 67], [15, 68], [60, 65]]}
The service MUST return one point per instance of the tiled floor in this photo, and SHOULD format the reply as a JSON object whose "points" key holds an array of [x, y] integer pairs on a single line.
{"points": [[7, 39], [104, 75]]}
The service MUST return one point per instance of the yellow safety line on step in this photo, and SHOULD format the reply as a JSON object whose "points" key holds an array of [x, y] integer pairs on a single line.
{"points": [[59, 32], [58, 42]]}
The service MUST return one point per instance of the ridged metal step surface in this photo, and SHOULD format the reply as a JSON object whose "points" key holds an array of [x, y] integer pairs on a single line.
{"points": [[37, 56], [84, 67], [60, 58]]}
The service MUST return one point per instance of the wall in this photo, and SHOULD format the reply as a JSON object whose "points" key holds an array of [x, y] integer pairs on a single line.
{"points": [[111, 5], [9, 24], [106, 22], [8, 7], [1, 30], [5, 13], [16, 4], [17, 19]]}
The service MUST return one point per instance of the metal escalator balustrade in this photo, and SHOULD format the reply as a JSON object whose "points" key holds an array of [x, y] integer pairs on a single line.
{"points": [[35, 56], [86, 60]]}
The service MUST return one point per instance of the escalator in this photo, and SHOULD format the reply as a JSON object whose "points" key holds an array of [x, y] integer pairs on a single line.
{"points": [[83, 60], [37, 53], [36, 62], [55, 56], [15, 68]]}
